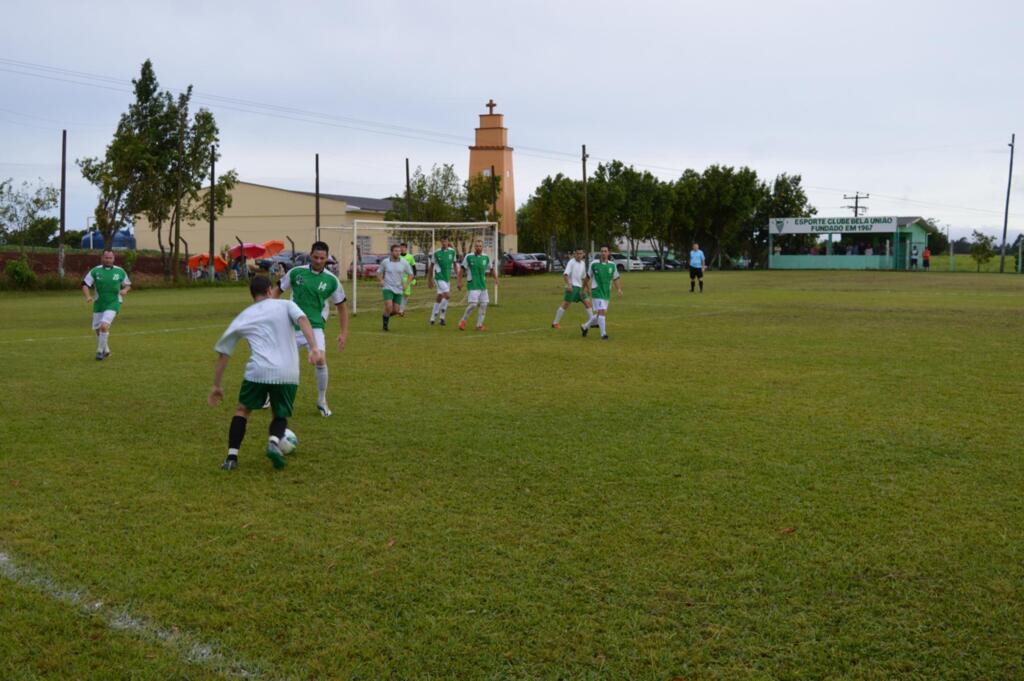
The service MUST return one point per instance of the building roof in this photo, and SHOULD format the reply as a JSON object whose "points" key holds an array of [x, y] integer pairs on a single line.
{"points": [[354, 203], [903, 222]]}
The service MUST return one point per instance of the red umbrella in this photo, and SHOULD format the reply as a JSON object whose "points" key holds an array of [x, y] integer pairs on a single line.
{"points": [[202, 260], [274, 246], [251, 250]]}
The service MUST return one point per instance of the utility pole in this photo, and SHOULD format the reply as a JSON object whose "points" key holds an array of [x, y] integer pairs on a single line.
{"points": [[318, 197], [213, 207], [858, 210], [586, 209], [63, 200], [1006, 210], [494, 208], [408, 193]]}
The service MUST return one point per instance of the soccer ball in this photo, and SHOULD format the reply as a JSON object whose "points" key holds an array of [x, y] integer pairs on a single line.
{"points": [[289, 442]]}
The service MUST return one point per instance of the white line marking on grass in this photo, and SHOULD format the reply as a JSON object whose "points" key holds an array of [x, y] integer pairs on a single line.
{"points": [[118, 335], [187, 646]]}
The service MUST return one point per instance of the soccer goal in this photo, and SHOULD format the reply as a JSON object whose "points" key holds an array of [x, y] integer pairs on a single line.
{"points": [[365, 242]]}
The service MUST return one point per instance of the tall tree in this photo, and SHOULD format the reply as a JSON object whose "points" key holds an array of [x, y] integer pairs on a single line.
{"points": [[22, 211], [983, 248], [784, 197]]}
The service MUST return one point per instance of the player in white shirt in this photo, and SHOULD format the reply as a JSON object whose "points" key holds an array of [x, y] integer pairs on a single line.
{"points": [[392, 275], [575, 278], [272, 370]]}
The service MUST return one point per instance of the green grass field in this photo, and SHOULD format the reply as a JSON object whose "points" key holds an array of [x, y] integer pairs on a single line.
{"points": [[793, 475]]}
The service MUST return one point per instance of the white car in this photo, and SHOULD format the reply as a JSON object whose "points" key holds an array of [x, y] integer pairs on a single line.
{"points": [[624, 263]]}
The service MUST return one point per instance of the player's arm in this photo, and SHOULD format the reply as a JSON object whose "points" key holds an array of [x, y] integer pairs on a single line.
{"points": [[217, 392], [568, 282], [343, 324], [315, 353], [430, 273], [458, 276], [88, 293]]}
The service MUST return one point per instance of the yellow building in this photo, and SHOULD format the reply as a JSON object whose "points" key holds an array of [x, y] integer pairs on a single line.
{"points": [[260, 213]]}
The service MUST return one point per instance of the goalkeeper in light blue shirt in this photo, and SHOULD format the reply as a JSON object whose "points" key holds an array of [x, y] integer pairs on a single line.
{"points": [[698, 263]]}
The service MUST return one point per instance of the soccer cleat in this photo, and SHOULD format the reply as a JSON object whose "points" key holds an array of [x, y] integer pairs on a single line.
{"points": [[462, 325], [431, 322], [99, 356], [583, 330], [442, 321], [481, 328], [604, 337], [275, 455], [556, 325], [230, 463], [324, 411], [106, 353]]}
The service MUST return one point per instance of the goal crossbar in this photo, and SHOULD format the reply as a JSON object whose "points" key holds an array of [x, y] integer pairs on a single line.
{"points": [[485, 228]]}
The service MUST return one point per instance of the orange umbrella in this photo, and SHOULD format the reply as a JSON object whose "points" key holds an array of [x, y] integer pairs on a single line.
{"points": [[274, 246], [251, 250], [202, 260]]}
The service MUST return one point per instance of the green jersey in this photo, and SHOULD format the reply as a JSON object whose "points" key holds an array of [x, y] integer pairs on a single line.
{"points": [[477, 267], [313, 292], [407, 279], [108, 282], [444, 261], [602, 274]]}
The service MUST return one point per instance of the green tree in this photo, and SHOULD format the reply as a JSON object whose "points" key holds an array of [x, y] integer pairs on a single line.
{"points": [[938, 243], [983, 248], [22, 211], [785, 197], [728, 201]]}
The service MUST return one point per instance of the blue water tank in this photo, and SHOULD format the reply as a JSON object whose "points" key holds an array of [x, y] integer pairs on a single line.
{"points": [[123, 238]]}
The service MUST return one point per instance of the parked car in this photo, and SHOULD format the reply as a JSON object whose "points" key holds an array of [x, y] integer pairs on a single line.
{"points": [[653, 262], [368, 266], [421, 264], [280, 263], [521, 263], [624, 263], [550, 264]]}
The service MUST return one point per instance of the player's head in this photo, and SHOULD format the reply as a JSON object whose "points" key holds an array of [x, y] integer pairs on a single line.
{"points": [[605, 253], [445, 242], [579, 254], [696, 246], [318, 253], [107, 258], [396, 250], [405, 247], [259, 287], [478, 246]]}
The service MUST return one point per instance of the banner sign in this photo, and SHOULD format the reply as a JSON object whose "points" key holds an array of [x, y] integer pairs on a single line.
{"points": [[831, 225]]}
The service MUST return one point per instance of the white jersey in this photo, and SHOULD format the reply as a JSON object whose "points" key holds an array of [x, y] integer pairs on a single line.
{"points": [[267, 326], [576, 270], [393, 271]]}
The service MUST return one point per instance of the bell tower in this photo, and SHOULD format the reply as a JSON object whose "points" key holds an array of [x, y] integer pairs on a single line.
{"points": [[491, 149]]}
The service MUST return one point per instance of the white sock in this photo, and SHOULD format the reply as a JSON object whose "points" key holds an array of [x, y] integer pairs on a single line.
{"points": [[558, 314], [233, 452], [601, 323], [444, 307], [101, 342], [469, 310], [321, 383], [590, 319], [433, 313], [480, 314]]}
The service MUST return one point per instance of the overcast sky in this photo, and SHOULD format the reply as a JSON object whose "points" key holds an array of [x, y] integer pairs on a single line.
{"points": [[913, 102]]}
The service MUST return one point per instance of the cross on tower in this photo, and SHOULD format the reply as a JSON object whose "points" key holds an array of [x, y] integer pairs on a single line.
{"points": [[490, 106]]}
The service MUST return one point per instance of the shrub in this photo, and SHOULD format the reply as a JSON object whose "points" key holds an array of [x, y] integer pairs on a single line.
{"points": [[129, 261], [19, 274]]}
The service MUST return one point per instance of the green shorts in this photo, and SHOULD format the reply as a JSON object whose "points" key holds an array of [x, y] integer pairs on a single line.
{"points": [[391, 295], [574, 296], [282, 397]]}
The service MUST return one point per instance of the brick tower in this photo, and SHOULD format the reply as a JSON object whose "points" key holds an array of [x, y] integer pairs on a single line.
{"points": [[491, 149]]}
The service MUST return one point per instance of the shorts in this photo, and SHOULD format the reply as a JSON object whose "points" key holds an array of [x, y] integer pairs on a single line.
{"points": [[477, 296], [105, 317], [318, 336], [391, 295], [282, 396], [600, 304], [927, 263], [442, 286], [696, 272], [574, 296]]}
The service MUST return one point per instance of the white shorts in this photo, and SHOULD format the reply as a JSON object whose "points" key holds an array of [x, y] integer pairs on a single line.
{"points": [[478, 296], [443, 286], [600, 304], [105, 317], [318, 334]]}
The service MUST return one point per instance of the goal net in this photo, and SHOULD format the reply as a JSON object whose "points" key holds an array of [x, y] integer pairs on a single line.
{"points": [[361, 246]]}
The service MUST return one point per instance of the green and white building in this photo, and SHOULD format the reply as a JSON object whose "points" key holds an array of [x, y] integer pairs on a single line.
{"points": [[863, 243]]}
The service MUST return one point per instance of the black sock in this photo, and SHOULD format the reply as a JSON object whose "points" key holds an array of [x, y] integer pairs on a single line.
{"points": [[702, 285], [386, 317], [691, 287], [277, 427], [236, 433]]}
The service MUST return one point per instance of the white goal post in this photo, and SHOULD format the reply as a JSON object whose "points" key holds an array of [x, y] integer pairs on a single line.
{"points": [[425, 235]]}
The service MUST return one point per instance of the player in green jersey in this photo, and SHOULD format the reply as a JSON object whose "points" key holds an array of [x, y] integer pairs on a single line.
{"points": [[439, 275], [110, 283], [408, 281], [602, 274], [314, 289], [477, 265], [391, 274]]}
